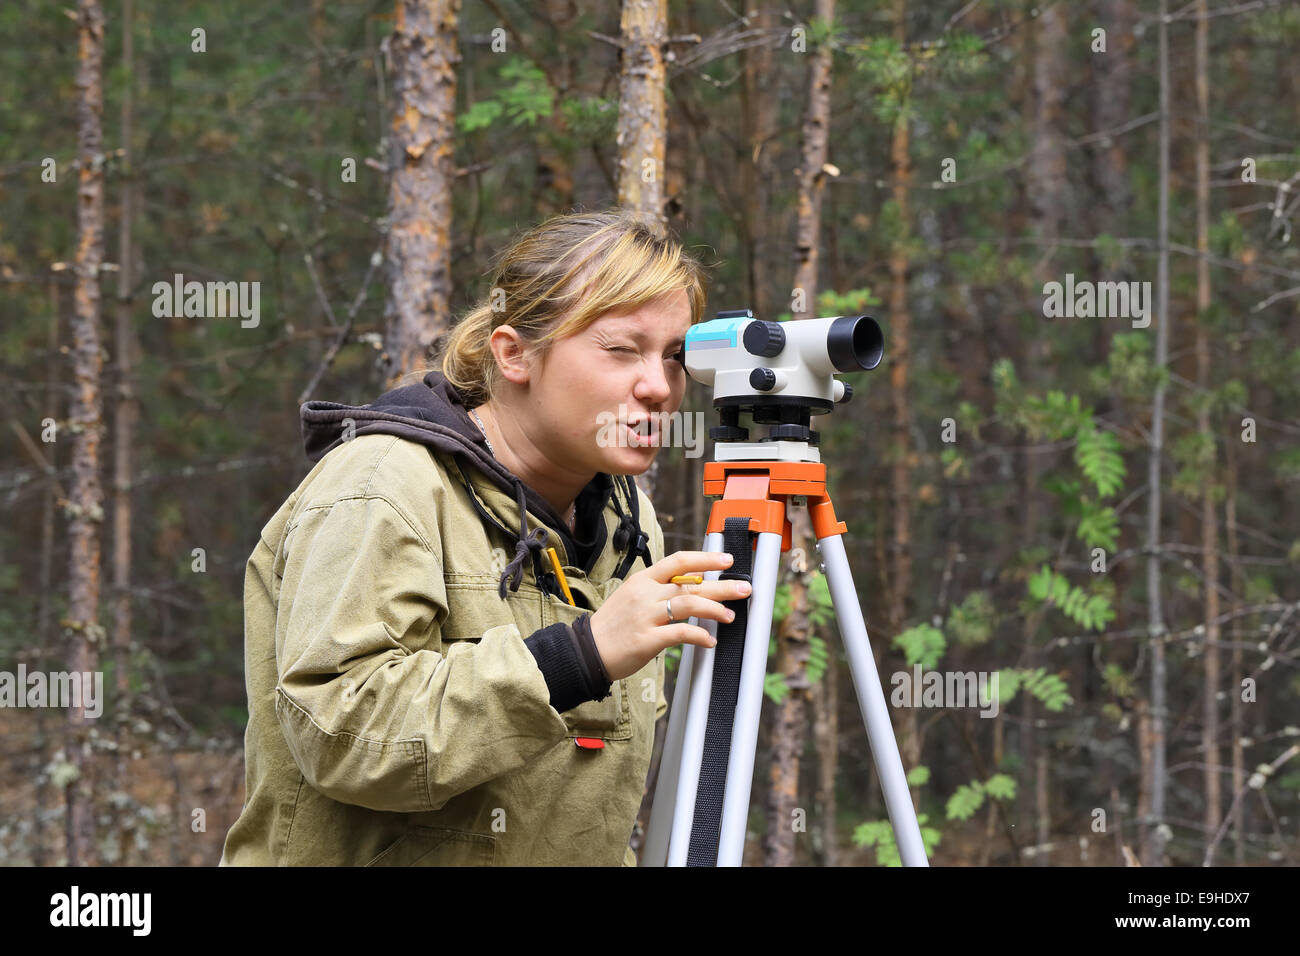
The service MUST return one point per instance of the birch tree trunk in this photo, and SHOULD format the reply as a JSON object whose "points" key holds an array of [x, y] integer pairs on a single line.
{"points": [[45, 607], [1209, 518], [126, 410], [1154, 842], [423, 52], [125, 416], [1048, 200], [86, 424]]}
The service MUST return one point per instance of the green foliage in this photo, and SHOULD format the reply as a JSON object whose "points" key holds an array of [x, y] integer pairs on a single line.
{"points": [[888, 70], [775, 687], [1048, 688], [1053, 416], [480, 115], [965, 801], [922, 644], [1286, 465], [919, 776], [971, 622], [1227, 237], [525, 97], [592, 119], [1097, 454], [1090, 611], [1193, 452], [955, 464], [969, 797], [962, 57], [850, 302], [880, 834], [1117, 680], [821, 609], [1000, 786], [817, 658], [1099, 526]]}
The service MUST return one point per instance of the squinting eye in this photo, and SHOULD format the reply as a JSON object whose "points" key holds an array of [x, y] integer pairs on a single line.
{"points": [[679, 357]]}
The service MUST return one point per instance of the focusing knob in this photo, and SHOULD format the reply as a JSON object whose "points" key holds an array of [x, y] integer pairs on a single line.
{"points": [[848, 393], [764, 338], [728, 433], [762, 379]]}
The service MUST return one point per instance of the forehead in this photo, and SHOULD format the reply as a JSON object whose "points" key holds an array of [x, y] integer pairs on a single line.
{"points": [[667, 316]]}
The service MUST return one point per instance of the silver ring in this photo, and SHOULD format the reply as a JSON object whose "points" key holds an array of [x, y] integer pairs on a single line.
{"points": [[669, 604]]}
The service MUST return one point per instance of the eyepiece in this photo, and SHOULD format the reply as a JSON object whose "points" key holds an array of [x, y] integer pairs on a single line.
{"points": [[855, 343]]}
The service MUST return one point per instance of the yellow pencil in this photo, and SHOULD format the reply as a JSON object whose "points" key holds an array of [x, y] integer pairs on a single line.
{"points": [[559, 573], [688, 579]]}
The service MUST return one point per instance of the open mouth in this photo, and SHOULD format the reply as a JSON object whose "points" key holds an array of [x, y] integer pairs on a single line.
{"points": [[643, 433]]}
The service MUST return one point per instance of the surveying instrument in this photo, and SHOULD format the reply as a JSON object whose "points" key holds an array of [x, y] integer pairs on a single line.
{"points": [[782, 373]]}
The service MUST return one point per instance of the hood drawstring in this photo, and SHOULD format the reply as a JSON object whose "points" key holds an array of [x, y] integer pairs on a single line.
{"points": [[629, 535], [530, 542]]}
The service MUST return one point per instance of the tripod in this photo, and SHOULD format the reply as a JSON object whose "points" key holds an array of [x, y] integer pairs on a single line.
{"points": [[701, 801]]}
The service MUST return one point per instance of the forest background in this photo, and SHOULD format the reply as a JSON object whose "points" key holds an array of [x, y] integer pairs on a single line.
{"points": [[1101, 507]]}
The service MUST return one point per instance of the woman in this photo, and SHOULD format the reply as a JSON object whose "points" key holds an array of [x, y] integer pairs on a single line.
{"points": [[421, 690]]}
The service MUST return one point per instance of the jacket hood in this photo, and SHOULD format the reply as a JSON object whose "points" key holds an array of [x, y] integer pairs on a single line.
{"points": [[434, 414]]}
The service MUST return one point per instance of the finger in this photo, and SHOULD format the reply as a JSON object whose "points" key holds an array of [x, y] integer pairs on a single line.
{"points": [[683, 633], [714, 590], [693, 606], [688, 562]]}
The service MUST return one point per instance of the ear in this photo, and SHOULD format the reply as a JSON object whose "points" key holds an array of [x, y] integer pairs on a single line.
{"points": [[511, 354]]}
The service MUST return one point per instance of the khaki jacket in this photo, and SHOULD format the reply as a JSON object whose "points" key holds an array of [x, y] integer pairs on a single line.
{"points": [[396, 716]]}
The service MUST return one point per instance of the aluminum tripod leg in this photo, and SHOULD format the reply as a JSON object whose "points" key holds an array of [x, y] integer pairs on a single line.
{"points": [[666, 807], [871, 698], [672, 814], [684, 744]]}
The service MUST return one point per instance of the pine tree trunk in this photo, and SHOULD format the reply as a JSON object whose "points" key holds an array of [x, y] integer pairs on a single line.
{"points": [[424, 52], [86, 423], [641, 123], [642, 131], [901, 452], [758, 105], [791, 728], [826, 737]]}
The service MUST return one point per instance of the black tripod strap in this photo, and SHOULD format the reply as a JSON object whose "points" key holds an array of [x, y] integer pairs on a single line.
{"points": [[706, 825]]}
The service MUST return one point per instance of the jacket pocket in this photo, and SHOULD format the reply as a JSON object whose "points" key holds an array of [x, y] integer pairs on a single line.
{"points": [[608, 719], [438, 846]]}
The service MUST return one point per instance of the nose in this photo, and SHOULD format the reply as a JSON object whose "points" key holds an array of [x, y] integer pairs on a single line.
{"points": [[653, 387]]}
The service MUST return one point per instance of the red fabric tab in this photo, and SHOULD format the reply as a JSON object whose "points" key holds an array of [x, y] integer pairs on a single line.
{"points": [[589, 743]]}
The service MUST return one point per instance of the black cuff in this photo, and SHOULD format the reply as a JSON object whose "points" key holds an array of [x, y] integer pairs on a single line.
{"points": [[570, 663], [595, 665]]}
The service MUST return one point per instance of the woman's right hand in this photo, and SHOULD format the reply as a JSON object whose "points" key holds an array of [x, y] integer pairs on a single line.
{"points": [[631, 627]]}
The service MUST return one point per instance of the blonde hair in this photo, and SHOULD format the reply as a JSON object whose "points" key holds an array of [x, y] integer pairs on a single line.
{"points": [[558, 278]]}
